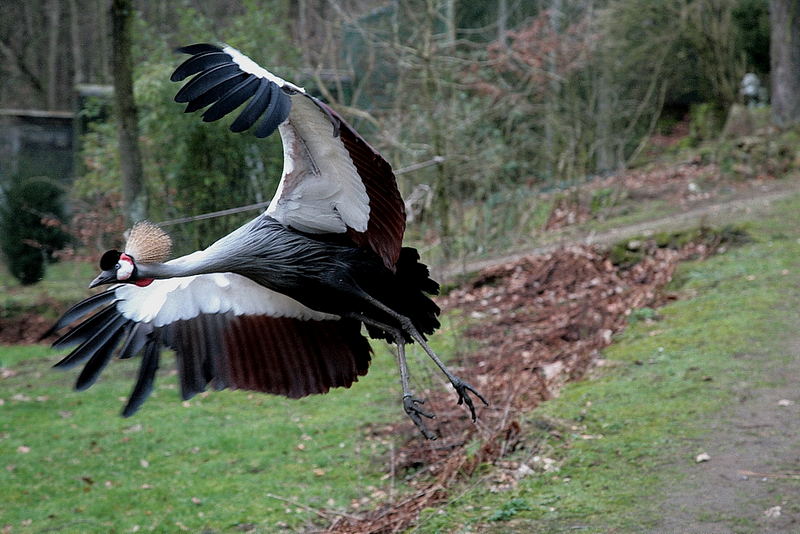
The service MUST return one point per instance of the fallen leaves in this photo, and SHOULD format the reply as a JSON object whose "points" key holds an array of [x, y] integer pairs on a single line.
{"points": [[673, 184], [5, 372], [702, 457]]}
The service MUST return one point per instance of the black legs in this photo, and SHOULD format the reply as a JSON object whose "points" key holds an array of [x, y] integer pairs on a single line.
{"points": [[410, 403]]}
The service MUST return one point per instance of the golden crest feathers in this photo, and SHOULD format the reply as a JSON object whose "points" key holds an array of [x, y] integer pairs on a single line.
{"points": [[148, 243]]}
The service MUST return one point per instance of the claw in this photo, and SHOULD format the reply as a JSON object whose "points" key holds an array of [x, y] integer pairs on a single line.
{"points": [[411, 406], [463, 389]]}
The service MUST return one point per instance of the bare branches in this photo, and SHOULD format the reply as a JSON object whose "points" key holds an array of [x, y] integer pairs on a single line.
{"points": [[17, 60]]}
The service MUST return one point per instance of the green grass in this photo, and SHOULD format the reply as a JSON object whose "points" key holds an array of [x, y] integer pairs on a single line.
{"points": [[665, 381], [64, 283]]}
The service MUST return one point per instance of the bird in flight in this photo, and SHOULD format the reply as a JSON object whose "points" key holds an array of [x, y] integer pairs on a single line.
{"points": [[278, 305]]}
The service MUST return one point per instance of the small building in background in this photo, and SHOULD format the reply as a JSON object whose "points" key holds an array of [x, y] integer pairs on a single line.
{"points": [[37, 143]]}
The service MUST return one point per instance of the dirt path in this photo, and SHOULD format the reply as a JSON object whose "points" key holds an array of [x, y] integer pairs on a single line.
{"points": [[717, 213], [751, 484]]}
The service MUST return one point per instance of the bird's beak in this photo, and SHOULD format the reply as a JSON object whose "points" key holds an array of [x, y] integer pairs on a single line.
{"points": [[106, 277]]}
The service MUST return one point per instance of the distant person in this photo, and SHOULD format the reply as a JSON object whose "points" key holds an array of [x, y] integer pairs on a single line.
{"points": [[751, 90]]}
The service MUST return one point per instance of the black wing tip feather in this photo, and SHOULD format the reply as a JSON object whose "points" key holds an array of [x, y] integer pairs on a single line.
{"points": [[198, 48], [147, 374], [224, 84], [274, 115], [79, 310], [197, 63]]}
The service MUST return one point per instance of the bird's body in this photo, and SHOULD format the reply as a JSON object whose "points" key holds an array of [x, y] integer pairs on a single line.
{"points": [[320, 272], [277, 305]]}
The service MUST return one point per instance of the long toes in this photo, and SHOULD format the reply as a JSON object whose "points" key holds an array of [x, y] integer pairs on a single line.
{"points": [[412, 409], [477, 393], [422, 428], [463, 389], [411, 406], [468, 403]]}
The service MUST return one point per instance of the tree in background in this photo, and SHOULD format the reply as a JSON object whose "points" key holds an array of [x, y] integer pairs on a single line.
{"points": [[191, 167], [130, 159], [785, 61], [509, 97], [31, 227]]}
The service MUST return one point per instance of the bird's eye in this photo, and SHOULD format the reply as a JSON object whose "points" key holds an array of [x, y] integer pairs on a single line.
{"points": [[117, 266]]}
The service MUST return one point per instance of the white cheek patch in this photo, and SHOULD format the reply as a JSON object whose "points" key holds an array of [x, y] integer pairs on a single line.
{"points": [[125, 269]]}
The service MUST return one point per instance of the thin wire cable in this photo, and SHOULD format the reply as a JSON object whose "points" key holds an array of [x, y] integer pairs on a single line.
{"points": [[436, 160]]}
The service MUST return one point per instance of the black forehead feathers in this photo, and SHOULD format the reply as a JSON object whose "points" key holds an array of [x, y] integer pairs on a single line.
{"points": [[109, 259]]}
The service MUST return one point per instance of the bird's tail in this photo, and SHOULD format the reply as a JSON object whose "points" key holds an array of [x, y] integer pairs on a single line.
{"points": [[408, 294]]}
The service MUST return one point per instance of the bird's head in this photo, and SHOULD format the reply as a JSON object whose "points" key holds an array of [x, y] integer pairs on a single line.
{"points": [[118, 267], [147, 243]]}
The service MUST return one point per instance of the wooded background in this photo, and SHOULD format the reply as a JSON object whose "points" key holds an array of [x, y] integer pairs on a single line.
{"points": [[491, 101]]}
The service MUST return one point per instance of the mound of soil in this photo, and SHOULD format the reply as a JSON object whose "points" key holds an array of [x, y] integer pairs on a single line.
{"points": [[23, 329]]}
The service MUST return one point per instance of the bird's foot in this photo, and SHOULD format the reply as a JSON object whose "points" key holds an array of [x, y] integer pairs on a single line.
{"points": [[411, 406], [463, 389]]}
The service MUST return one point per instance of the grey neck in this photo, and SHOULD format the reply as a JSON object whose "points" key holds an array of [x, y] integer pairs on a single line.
{"points": [[200, 262]]}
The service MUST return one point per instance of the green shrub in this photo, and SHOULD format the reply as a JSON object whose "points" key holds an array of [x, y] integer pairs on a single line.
{"points": [[31, 226], [705, 122]]}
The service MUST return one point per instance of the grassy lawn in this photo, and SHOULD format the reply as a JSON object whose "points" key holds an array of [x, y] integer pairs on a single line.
{"points": [[64, 284], [72, 463]]}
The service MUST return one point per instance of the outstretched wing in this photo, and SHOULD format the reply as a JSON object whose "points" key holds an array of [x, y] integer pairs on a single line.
{"points": [[333, 180], [226, 331]]}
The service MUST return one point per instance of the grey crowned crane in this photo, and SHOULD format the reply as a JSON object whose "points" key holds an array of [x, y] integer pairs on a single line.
{"points": [[276, 306]]}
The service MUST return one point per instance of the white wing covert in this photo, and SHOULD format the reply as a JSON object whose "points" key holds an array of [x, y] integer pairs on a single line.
{"points": [[180, 299], [320, 190]]}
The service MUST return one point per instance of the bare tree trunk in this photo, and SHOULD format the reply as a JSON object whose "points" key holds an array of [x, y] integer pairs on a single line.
{"points": [[442, 191], [302, 27], [502, 22], [103, 73], [784, 18], [552, 97], [603, 109], [133, 193], [450, 21], [54, 25], [605, 157], [77, 55]]}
